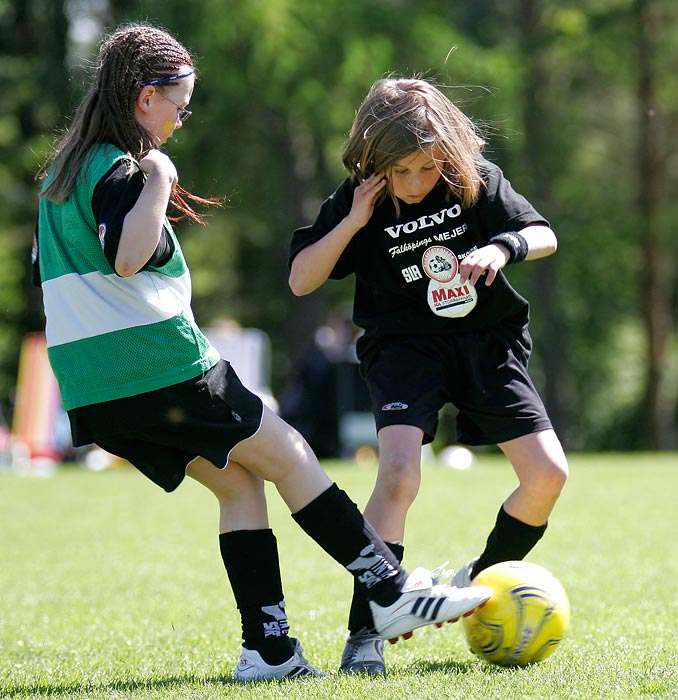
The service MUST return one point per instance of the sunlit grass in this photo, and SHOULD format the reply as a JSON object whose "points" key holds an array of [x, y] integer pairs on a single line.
{"points": [[110, 588]]}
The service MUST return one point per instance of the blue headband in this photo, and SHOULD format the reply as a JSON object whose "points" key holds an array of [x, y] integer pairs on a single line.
{"points": [[168, 79]]}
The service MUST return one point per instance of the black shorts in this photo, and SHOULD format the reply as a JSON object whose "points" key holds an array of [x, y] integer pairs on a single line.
{"points": [[161, 431], [483, 374]]}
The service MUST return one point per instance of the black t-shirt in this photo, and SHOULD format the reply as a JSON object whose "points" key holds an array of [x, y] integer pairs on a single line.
{"points": [[115, 194], [393, 257]]}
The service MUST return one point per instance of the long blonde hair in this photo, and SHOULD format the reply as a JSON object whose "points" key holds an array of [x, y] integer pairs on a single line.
{"points": [[401, 115], [129, 58]]}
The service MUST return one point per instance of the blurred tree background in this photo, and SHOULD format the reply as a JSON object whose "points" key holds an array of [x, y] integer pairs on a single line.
{"points": [[578, 100]]}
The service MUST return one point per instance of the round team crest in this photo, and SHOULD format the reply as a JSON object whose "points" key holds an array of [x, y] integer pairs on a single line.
{"points": [[440, 263]]}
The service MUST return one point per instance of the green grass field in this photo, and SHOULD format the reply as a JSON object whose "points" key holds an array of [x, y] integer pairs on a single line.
{"points": [[110, 588]]}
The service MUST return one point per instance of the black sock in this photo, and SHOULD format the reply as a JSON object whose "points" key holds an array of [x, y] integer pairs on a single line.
{"points": [[253, 568], [510, 540], [360, 615], [336, 524]]}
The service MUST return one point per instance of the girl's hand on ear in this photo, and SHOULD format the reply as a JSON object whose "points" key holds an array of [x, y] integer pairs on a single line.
{"points": [[364, 196]]}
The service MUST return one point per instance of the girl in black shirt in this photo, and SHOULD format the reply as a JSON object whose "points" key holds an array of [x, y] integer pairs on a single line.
{"points": [[426, 225]]}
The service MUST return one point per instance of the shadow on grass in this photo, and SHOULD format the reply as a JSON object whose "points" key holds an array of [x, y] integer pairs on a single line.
{"points": [[459, 668], [46, 690], [131, 686]]}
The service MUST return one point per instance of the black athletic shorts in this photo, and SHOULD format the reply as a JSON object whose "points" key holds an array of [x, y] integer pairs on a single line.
{"points": [[161, 431], [483, 374]]}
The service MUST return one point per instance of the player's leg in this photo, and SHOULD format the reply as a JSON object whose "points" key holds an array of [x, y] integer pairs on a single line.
{"points": [[250, 555], [240, 493], [279, 454], [405, 381], [398, 480], [499, 404], [541, 466], [396, 487]]}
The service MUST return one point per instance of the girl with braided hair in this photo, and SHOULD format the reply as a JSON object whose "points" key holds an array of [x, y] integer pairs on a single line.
{"points": [[107, 111], [139, 378]]}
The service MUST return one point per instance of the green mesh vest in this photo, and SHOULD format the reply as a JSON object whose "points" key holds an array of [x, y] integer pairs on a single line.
{"points": [[109, 337]]}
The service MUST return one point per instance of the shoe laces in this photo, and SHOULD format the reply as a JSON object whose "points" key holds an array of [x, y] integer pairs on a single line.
{"points": [[299, 651], [440, 573], [351, 651], [354, 644]]}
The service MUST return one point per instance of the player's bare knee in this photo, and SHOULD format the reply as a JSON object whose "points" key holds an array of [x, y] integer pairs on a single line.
{"points": [[547, 481], [558, 473], [399, 481]]}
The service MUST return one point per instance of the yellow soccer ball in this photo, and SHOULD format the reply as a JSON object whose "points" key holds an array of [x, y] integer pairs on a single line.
{"points": [[524, 620]]}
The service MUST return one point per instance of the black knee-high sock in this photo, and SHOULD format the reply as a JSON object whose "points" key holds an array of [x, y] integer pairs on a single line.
{"points": [[253, 568], [336, 524], [510, 540], [360, 615]]}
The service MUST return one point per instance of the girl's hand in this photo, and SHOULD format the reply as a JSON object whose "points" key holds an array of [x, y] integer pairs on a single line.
{"points": [[488, 259], [364, 197], [156, 162], [541, 242]]}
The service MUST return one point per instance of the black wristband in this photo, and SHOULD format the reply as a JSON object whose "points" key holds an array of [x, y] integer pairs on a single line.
{"points": [[514, 243]]}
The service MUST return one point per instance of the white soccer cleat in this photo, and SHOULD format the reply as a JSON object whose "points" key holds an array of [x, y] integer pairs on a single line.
{"points": [[423, 603], [251, 667], [462, 578]]}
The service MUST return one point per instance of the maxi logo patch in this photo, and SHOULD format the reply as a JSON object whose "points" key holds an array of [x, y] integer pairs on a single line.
{"points": [[451, 299]]}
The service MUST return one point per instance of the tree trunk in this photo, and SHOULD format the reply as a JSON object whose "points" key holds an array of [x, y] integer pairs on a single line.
{"points": [[658, 269], [553, 338]]}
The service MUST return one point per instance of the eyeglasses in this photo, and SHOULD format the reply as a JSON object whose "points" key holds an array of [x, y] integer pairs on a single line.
{"points": [[182, 112]]}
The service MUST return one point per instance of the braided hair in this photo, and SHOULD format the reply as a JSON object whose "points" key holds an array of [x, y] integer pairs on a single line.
{"points": [[129, 58]]}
